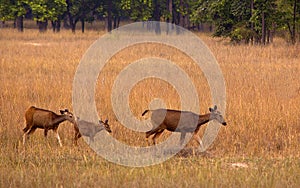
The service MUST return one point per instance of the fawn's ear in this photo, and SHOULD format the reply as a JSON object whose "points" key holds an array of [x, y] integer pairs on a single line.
{"points": [[106, 121], [62, 111], [210, 109], [66, 110]]}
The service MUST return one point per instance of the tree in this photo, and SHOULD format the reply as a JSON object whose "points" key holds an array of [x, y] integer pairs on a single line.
{"points": [[43, 10], [82, 10], [289, 17], [263, 18], [138, 10], [240, 20], [14, 10], [201, 13], [5, 10], [58, 9]]}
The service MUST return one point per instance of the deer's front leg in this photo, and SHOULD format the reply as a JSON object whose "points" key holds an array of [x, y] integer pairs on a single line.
{"points": [[182, 137], [198, 139]]}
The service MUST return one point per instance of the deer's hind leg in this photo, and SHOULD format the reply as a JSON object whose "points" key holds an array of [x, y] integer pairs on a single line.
{"points": [[153, 131], [27, 133], [77, 135], [157, 135]]}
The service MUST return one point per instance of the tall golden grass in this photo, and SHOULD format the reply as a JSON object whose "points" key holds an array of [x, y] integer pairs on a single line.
{"points": [[262, 112]]}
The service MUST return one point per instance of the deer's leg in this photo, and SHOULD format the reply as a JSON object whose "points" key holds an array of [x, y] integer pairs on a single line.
{"points": [[57, 136], [24, 138], [198, 139], [152, 131], [45, 132], [28, 124], [77, 135], [149, 133], [26, 128], [26, 134], [182, 137], [157, 134]]}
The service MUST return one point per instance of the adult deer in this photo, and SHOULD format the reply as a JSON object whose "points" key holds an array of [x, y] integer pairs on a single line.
{"points": [[162, 119], [44, 119]]}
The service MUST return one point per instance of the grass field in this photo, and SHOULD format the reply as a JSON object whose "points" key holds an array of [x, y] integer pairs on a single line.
{"points": [[258, 148]]}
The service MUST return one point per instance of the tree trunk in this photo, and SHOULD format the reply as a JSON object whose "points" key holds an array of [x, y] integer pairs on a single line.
{"points": [[156, 17], [293, 36], [53, 23], [20, 23], [109, 16], [263, 29], [73, 26], [115, 22], [118, 23], [72, 22], [2, 24], [268, 36], [82, 25], [42, 26], [58, 24], [210, 27], [181, 16], [251, 22], [170, 10]]}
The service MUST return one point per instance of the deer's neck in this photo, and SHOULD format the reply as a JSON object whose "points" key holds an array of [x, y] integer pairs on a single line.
{"points": [[59, 119], [203, 119]]}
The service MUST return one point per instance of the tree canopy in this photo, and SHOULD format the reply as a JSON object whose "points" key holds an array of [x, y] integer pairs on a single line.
{"points": [[248, 21]]}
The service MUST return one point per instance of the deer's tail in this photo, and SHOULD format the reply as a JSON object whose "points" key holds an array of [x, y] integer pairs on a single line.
{"points": [[145, 112]]}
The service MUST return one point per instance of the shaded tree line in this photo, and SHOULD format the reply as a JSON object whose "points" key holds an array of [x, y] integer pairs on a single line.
{"points": [[248, 21]]}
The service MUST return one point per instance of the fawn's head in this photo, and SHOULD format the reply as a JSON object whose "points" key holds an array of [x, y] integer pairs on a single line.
{"points": [[105, 125], [216, 115]]}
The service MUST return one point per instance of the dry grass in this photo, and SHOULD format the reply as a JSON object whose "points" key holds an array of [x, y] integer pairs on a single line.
{"points": [[263, 99]]}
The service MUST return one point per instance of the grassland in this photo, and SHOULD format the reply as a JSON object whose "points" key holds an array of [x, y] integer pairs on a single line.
{"points": [[263, 116]]}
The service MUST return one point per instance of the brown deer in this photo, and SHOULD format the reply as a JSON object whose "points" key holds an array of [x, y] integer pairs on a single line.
{"points": [[44, 119], [89, 129], [162, 119]]}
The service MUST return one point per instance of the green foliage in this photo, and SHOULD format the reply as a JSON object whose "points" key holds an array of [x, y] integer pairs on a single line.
{"points": [[140, 10], [10, 9], [200, 12], [241, 34], [241, 19], [285, 14], [267, 7], [236, 19], [5, 10], [43, 10]]}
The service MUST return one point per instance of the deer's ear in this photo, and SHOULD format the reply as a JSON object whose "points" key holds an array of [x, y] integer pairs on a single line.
{"points": [[215, 107], [62, 111], [106, 121], [210, 109], [66, 110]]}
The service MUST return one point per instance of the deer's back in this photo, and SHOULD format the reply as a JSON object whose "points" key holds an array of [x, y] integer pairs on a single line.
{"points": [[88, 128], [174, 120], [39, 117]]}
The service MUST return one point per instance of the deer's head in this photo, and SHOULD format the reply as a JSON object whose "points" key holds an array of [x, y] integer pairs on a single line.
{"points": [[216, 115], [69, 115], [105, 125]]}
